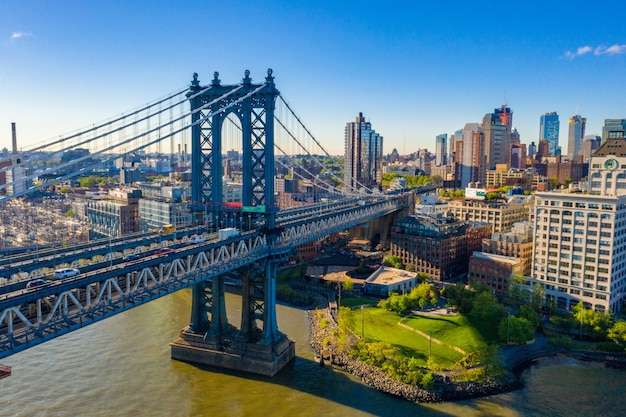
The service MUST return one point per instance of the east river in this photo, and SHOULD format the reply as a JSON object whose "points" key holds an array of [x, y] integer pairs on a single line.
{"points": [[122, 367]]}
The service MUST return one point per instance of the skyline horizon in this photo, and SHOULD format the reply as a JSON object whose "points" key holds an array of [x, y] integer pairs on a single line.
{"points": [[414, 71]]}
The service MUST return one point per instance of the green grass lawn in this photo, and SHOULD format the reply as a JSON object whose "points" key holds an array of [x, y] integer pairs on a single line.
{"points": [[454, 330], [382, 325], [357, 301]]}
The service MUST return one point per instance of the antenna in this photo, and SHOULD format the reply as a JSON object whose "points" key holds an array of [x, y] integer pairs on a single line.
{"points": [[504, 96]]}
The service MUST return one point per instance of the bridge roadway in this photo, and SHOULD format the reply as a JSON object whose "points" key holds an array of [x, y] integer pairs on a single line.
{"points": [[137, 243], [31, 316]]}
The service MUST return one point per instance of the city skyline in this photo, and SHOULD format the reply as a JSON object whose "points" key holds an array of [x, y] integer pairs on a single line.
{"points": [[416, 73]]}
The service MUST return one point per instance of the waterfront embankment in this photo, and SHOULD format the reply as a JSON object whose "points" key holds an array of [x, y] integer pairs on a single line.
{"points": [[516, 358], [443, 390]]}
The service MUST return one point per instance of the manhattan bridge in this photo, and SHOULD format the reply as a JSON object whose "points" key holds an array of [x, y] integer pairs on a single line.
{"points": [[215, 117]]}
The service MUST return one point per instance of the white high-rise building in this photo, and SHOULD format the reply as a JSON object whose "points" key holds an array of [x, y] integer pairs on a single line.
{"points": [[580, 239]]}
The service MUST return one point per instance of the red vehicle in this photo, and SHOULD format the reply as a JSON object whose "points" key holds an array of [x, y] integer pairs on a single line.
{"points": [[164, 251]]}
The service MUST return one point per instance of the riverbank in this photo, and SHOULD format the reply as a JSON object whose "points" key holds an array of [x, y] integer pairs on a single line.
{"points": [[516, 359], [444, 390]]}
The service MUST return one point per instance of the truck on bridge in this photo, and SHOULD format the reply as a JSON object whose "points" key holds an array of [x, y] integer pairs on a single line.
{"points": [[227, 232]]}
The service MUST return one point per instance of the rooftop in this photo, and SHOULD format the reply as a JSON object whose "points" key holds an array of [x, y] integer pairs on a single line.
{"points": [[388, 276]]}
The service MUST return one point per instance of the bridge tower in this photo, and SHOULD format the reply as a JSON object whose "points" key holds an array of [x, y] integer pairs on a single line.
{"points": [[209, 338]]}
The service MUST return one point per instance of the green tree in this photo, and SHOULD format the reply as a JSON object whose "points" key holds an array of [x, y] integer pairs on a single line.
{"points": [[536, 296], [485, 307], [65, 190], [516, 330], [617, 333], [514, 289], [348, 285], [393, 261], [422, 277]]}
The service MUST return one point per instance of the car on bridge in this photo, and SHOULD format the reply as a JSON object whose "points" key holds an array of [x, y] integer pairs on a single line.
{"points": [[65, 273], [36, 283], [163, 251], [197, 239], [131, 257]]}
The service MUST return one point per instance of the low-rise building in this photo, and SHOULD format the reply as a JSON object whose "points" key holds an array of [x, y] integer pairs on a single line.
{"points": [[500, 214], [493, 270], [386, 280]]}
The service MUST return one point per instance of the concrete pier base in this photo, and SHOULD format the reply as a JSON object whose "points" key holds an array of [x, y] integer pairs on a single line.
{"points": [[229, 353]]}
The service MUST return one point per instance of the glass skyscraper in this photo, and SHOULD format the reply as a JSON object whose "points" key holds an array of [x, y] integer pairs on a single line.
{"points": [[549, 130], [363, 165], [614, 129], [440, 149]]}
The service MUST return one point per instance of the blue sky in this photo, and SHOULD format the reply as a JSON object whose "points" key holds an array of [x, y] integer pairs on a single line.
{"points": [[415, 71]]}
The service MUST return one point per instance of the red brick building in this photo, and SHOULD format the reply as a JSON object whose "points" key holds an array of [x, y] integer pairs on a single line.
{"points": [[436, 245]]}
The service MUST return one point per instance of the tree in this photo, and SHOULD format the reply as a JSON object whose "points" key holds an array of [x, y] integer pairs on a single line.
{"points": [[530, 314], [422, 277], [617, 333], [592, 323], [536, 296], [516, 330], [393, 261], [348, 285], [487, 357], [65, 190], [515, 288], [485, 307]]}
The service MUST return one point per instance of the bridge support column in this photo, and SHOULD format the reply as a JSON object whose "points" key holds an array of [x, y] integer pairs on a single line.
{"points": [[252, 350], [270, 328]]}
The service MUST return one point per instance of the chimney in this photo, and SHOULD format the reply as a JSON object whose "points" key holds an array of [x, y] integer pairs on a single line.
{"points": [[14, 135]]}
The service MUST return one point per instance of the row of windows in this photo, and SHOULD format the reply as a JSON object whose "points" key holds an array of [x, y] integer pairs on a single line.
{"points": [[593, 206]]}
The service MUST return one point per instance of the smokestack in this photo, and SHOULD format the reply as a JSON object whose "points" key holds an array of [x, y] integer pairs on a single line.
{"points": [[14, 135]]}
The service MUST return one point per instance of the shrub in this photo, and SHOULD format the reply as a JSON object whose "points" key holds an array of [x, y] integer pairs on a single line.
{"points": [[428, 381]]}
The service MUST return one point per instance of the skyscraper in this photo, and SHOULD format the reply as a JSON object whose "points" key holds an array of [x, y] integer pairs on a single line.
{"points": [[613, 129], [575, 136], [549, 130], [497, 134], [470, 165], [440, 149], [363, 156]]}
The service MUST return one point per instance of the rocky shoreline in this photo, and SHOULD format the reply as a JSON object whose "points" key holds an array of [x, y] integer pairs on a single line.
{"points": [[377, 379]]}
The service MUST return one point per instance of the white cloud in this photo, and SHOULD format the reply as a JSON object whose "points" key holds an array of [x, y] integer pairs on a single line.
{"points": [[611, 50], [17, 35], [598, 50], [580, 51]]}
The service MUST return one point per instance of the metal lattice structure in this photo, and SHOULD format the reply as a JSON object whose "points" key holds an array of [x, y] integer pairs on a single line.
{"points": [[253, 104]]}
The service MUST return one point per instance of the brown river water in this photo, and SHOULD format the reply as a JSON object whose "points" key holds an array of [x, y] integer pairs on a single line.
{"points": [[122, 367]]}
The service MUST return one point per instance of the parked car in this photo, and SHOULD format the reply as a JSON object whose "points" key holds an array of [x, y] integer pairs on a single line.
{"points": [[163, 251], [131, 257], [65, 273], [36, 283], [197, 239]]}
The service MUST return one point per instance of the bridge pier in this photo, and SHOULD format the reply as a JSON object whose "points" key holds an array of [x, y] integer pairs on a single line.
{"points": [[250, 349], [209, 339], [228, 352]]}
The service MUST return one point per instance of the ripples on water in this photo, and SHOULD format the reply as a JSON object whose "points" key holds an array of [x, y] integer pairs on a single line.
{"points": [[122, 367]]}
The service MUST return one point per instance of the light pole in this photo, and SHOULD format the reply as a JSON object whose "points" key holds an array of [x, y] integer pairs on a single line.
{"points": [[430, 347], [362, 321]]}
